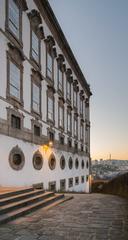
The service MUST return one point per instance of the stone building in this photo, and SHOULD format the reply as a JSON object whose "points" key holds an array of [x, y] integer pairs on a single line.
{"points": [[44, 101]]}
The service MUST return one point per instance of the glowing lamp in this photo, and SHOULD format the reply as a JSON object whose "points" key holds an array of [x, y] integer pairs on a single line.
{"points": [[50, 144]]}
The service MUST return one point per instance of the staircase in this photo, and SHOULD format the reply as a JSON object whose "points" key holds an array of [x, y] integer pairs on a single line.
{"points": [[18, 203]]}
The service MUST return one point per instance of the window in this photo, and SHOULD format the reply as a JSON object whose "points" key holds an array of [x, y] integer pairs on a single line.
{"points": [[62, 185], [62, 162], [75, 127], [36, 98], [49, 66], [16, 158], [69, 122], [76, 146], [81, 106], [82, 164], [82, 179], [52, 186], [62, 140], [14, 18], [70, 163], [60, 80], [68, 90], [36, 130], [35, 47], [82, 148], [52, 162], [51, 136], [76, 163], [75, 99], [69, 143], [87, 165], [15, 122], [81, 131], [14, 77], [50, 108], [76, 180], [37, 161], [61, 116], [70, 182]]}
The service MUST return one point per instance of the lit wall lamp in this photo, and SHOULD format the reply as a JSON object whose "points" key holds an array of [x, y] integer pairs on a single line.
{"points": [[50, 144], [47, 146]]}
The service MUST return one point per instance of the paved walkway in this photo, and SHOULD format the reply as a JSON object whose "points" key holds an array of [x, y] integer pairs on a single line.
{"points": [[86, 217]]}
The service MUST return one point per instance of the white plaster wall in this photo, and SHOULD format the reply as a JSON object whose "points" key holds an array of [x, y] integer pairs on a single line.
{"points": [[28, 175], [2, 14]]}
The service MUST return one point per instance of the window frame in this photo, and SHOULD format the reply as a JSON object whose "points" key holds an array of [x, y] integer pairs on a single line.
{"points": [[51, 77], [68, 93], [70, 115], [75, 99], [32, 49], [62, 78], [60, 108], [9, 31], [9, 94], [75, 127], [51, 119], [32, 100]]}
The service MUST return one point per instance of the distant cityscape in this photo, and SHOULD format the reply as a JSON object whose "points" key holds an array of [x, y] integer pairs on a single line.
{"points": [[108, 169]]}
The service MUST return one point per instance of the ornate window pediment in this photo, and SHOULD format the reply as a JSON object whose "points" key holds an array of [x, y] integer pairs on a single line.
{"points": [[35, 18], [16, 53]]}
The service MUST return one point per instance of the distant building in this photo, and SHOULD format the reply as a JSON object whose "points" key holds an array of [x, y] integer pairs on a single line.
{"points": [[44, 102]]}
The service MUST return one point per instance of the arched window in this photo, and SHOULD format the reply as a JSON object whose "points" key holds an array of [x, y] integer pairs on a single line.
{"points": [[37, 160], [16, 158]]}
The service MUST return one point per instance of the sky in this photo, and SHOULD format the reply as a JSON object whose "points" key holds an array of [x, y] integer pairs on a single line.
{"points": [[97, 32]]}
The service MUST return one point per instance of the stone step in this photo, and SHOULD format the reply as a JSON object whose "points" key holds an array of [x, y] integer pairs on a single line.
{"points": [[4, 218], [16, 192], [22, 203], [21, 196]]}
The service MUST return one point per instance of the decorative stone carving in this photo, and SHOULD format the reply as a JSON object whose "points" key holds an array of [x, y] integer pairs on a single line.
{"points": [[16, 53], [34, 17]]}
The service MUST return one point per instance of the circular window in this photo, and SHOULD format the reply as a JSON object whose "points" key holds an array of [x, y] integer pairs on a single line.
{"points": [[82, 164], [87, 164], [70, 163], [37, 161], [52, 162], [62, 162], [76, 163], [16, 158]]}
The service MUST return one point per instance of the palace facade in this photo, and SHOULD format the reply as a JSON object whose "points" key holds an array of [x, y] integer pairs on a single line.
{"points": [[44, 102]]}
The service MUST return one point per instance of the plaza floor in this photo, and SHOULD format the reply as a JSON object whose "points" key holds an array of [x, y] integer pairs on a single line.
{"points": [[85, 217]]}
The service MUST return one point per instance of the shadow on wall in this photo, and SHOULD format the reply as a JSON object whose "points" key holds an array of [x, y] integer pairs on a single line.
{"points": [[116, 186]]}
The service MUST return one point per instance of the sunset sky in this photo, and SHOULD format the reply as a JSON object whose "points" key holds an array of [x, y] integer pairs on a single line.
{"points": [[97, 31]]}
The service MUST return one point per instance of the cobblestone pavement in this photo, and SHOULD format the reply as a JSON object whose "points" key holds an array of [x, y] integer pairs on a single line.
{"points": [[86, 217]]}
